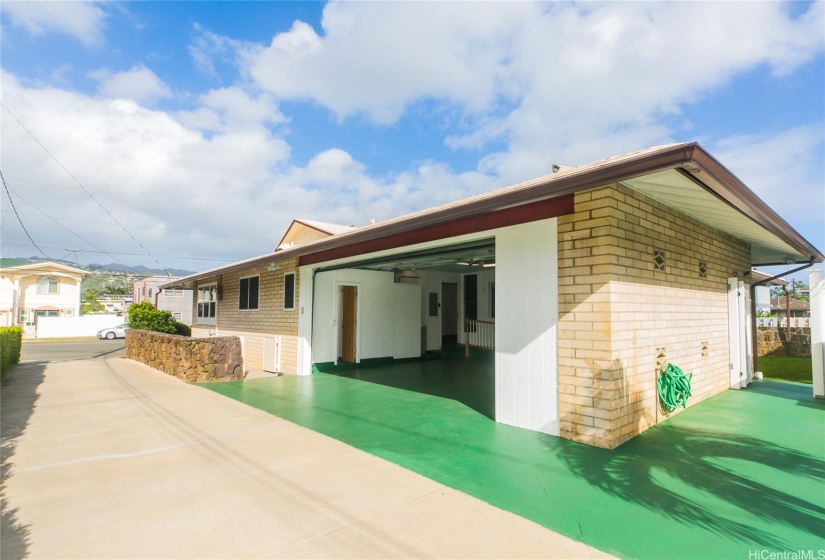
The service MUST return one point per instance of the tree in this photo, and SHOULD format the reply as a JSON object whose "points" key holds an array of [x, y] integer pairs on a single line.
{"points": [[90, 304], [797, 289]]}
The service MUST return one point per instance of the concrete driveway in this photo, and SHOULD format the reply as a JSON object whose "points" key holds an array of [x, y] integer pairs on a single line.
{"points": [[107, 458]]}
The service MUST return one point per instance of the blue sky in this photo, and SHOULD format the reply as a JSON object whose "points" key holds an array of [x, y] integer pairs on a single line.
{"points": [[204, 127]]}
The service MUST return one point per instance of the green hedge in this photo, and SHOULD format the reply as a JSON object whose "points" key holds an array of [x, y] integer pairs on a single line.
{"points": [[11, 340], [182, 329], [144, 316]]}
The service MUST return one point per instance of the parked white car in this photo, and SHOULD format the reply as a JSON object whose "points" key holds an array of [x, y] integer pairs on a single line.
{"points": [[111, 333]]}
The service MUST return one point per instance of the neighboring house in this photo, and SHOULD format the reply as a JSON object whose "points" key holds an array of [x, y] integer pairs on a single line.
{"points": [[762, 297], [45, 289], [116, 303], [175, 300], [593, 278], [799, 308]]}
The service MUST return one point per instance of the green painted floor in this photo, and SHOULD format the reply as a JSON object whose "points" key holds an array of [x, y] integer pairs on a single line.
{"points": [[741, 472]]}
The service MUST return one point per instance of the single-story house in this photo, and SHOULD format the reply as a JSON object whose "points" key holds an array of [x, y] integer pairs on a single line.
{"points": [[44, 289], [762, 292], [798, 307], [584, 283]]}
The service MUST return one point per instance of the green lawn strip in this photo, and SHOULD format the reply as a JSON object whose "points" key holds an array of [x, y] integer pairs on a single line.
{"points": [[787, 368]]}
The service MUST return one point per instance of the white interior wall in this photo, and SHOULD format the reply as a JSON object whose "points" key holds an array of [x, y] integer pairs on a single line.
{"points": [[527, 326], [389, 315]]}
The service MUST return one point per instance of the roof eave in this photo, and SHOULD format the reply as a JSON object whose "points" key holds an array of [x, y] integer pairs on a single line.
{"points": [[729, 188], [717, 179]]}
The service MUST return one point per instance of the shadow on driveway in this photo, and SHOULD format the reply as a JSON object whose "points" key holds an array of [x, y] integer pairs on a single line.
{"points": [[18, 397]]}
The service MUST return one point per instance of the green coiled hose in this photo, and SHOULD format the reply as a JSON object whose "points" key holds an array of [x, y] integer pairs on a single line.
{"points": [[674, 388]]}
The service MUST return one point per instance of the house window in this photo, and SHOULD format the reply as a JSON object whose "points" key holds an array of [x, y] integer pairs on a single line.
{"points": [[68, 312], [289, 291], [24, 315], [177, 315], [150, 293], [173, 292], [207, 303], [248, 299], [47, 285]]}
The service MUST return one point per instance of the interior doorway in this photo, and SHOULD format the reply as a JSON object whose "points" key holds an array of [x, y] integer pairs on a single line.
{"points": [[449, 313], [349, 321]]}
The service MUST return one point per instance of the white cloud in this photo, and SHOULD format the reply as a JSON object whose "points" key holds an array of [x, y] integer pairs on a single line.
{"points": [[84, 21], [215, 187], [785, 169], [547, 83], [138, 83], [208, 47], [557, 82]]}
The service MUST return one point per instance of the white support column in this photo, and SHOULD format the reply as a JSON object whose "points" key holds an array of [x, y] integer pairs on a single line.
{"points": [[305, 300], [816, 281], [527, 314]]}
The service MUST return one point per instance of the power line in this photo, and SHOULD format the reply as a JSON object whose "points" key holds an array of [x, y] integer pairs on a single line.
{"points": [[3, 221], [11, 202], [110, 253], [82, 187], [70, 231]]}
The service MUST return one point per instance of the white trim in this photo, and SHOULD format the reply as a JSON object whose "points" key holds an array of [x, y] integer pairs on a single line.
{"points": [[212, 321], [48, 293]]}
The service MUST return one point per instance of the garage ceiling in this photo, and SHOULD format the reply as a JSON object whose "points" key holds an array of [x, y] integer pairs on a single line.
{"points": [[444, 259]]}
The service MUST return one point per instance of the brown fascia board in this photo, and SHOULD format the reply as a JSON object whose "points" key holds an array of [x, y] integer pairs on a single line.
{"points": [[531, 191], [551, 186], [733, 191]]}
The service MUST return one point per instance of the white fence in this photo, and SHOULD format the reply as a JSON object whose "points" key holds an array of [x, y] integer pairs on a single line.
{"points": [[774, 322], [479, 334], [71, 327]]}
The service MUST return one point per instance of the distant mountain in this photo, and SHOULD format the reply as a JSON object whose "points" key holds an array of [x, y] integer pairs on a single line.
{"points": [[138, 270]]}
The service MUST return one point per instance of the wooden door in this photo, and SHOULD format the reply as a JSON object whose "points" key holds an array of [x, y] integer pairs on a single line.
{"points": [[349, 319]]}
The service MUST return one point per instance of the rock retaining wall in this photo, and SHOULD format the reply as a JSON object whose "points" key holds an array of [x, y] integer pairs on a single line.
{"points": [[772, 341], [216, 358]]}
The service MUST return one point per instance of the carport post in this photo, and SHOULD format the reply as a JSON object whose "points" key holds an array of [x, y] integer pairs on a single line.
{"points": [[816, 281]]}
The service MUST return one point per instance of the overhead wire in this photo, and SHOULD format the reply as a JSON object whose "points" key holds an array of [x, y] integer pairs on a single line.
{"points": [[84, 190], [11, 202], [110, 253], [69, 230]]}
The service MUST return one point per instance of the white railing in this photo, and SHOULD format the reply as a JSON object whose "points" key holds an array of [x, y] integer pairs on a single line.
{"points": [[774, 322], [479, 334]]}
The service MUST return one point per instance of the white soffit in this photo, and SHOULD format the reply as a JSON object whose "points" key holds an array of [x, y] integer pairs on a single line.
{"points": [[677, 191]]}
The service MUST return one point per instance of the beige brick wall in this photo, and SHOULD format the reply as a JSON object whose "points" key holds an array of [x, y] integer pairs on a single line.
{"points": [[270, 319], [616, 310]]}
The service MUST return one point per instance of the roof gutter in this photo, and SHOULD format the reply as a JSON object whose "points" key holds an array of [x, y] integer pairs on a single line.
{"points": [[547, 187], [723, 184]]}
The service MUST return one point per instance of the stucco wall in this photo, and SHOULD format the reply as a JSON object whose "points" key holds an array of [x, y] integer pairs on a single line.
{"points": [[616, 310]]}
